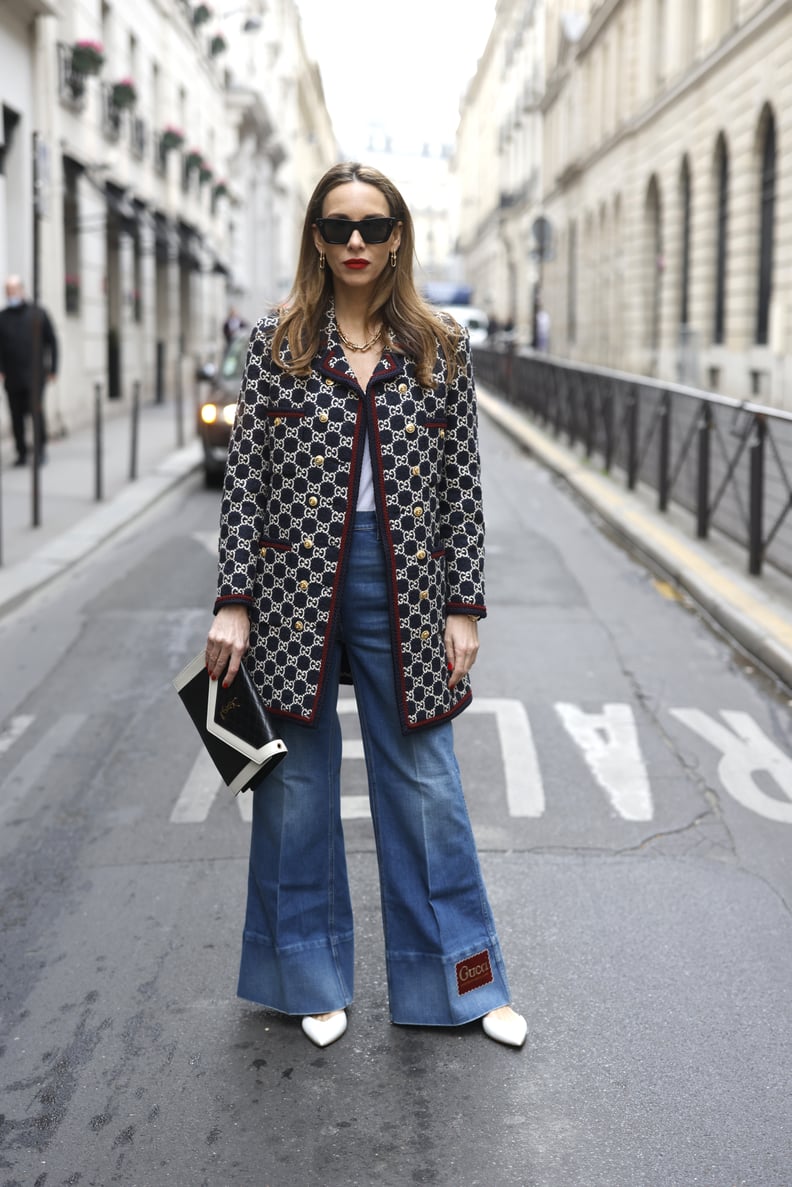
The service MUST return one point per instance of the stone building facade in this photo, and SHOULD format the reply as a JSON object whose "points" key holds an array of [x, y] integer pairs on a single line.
{"points": [[666, 124], [155, 160], [498, 165]]}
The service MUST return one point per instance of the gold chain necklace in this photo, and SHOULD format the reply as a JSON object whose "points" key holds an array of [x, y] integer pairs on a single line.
{"points": [[354, 345]]}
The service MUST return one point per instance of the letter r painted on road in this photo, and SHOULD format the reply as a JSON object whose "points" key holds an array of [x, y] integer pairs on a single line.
{"points": [[744, 753]]}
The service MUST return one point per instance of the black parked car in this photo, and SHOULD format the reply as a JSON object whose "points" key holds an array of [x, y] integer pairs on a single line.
{"points": [[216, 413]]}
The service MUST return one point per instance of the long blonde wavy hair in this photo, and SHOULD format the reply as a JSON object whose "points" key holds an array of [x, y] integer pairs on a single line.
{"points": [[415, 326]]}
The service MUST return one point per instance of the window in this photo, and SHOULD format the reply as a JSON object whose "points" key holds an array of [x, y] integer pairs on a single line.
{"points": [[721, 238], [572, 284], [766, 226], [684, 263]]}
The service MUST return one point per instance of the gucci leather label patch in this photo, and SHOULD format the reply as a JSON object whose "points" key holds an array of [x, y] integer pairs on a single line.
{"points": [[473, 972]]}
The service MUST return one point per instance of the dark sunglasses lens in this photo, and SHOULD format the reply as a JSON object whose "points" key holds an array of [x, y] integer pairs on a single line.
{"points": [[336, 230], [339, 230], [376, 230]]}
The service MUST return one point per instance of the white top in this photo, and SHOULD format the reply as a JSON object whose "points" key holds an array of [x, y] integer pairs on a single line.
{"points": [[365, 499]]}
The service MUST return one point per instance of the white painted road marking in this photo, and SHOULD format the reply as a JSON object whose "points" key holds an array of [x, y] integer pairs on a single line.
{"points": [[198, 794], [745, 752], [609, 744], [609, 741], [15, 729], [524, 790], [33, 769]]}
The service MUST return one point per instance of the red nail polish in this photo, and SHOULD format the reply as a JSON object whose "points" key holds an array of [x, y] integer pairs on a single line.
{"points": [[214, 677], [224, 684]]}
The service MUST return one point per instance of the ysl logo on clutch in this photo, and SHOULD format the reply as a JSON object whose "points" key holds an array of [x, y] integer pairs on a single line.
{"points": [[227, 708]]}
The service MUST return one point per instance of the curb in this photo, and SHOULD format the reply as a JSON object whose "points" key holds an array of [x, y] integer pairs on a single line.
{"points": [[48, 562], [761, 623]]}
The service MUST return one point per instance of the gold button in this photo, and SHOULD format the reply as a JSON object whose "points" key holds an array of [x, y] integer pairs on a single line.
{"points": [[424, 634], [313, 501], [416, 470], [410, 428], [298, 626], [303, 585], [424, 594], [329, 383], [402, 388], [323, 417], [278, 421], [442, 432], [421, 554], [262, 552], [418, 511], [318, 460], [307, 543]]}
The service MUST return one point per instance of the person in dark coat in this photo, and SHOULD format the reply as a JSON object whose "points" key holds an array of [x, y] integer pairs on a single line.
{"points": [[352, 545], [21, 322]]}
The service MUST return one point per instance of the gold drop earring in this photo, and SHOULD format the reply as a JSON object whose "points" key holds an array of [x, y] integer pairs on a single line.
{"points": [[393, 258], [321, 261]]}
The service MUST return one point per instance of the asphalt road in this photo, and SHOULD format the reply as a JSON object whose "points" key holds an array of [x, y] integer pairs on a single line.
{"points": [[630, 783]]}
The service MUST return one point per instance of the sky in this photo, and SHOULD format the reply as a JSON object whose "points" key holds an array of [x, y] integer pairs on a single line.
{"points": [[401, 66]]}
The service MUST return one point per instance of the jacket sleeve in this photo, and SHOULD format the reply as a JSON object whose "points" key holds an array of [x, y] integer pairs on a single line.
{"points": [[49, 342], [461, 510], [246, 484]]}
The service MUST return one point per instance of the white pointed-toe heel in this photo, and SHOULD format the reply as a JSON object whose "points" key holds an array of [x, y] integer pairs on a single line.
{"points": [[511, 1031], [324, 1032]]}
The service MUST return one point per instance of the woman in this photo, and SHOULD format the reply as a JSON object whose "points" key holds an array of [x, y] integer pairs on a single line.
{"points": [[351, 543]]}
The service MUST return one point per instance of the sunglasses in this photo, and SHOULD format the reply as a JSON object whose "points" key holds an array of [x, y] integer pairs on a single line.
{"points": [[339, 230]]}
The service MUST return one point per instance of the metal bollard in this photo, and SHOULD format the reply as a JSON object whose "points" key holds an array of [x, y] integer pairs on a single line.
{"points": [[179, 405], [703, 473], [1, 508], [133, 449], [756, 505], [98, 459]]}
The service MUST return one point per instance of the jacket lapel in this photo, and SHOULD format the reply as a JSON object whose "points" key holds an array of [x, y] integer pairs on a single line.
{"points": [[332, 361]]}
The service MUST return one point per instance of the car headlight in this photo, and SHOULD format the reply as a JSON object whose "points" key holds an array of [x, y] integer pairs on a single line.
{"points": [[209, 413], [229, 412]]}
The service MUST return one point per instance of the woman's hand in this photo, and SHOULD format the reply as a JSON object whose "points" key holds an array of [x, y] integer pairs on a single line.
{"points": [[461, 644], [227, 642]]}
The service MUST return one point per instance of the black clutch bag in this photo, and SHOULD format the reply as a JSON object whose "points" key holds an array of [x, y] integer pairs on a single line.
{"points": [[233, 723]]}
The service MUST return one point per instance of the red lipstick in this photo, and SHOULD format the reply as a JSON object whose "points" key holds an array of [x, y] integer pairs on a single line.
{"points": [[356, 264]]}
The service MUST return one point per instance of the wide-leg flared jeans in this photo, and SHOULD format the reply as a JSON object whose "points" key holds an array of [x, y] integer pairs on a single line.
{"points": [[443, 957]]}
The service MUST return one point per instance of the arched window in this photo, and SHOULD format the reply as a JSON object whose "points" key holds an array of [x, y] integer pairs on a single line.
{"points": [[572, 268], [684, 260], [654, 263], [766, 226], [721, 237]]}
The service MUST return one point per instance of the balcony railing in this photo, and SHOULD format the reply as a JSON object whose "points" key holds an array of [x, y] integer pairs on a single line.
{"points": [[71, 83], [111, 113], [137, 137], [726, 462]]}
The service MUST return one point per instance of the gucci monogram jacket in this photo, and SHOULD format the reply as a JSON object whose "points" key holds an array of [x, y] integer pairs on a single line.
{"points": [[289, 501]]}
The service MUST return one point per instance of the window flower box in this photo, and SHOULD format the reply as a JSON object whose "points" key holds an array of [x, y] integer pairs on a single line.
{"points": [[217, 45], [124, 94], [193, 160], [219, 190], [201, 14], [87, 57], [171, 138], [205, 173]]}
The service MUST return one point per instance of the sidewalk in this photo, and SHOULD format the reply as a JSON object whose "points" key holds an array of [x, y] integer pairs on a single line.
{"points": [[73, 523], [756, 612]]}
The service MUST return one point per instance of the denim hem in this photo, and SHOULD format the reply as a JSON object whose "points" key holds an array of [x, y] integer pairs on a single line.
{"points": [[312, 979], [423, 989]]}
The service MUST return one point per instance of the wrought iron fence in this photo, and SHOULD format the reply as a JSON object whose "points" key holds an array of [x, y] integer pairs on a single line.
{"points": [[727, 462]]}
